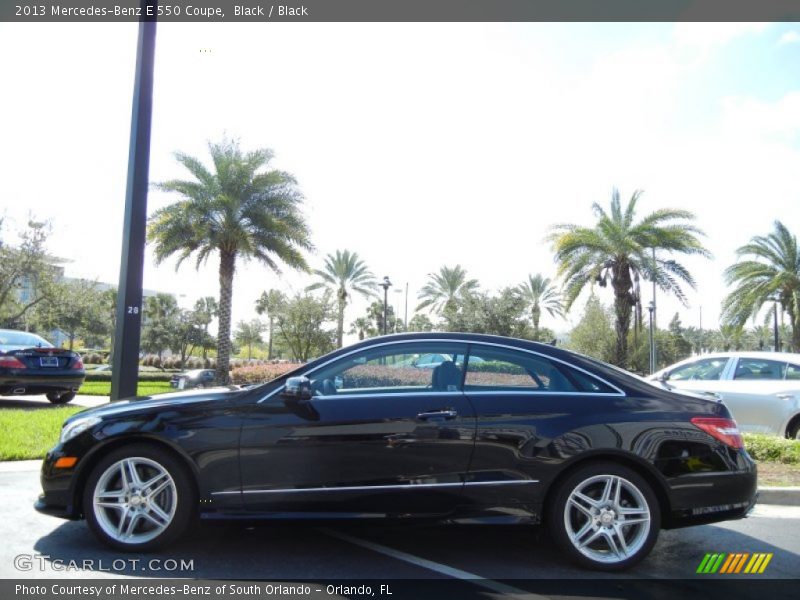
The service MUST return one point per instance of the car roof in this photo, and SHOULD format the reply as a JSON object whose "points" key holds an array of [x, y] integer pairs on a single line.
{"points": [[766, 355]]}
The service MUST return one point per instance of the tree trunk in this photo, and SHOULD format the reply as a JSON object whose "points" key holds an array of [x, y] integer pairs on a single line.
{"points": [[269, 351], [340, 322], [71, 340], [623, 303], [536, 314], [227, 266]]}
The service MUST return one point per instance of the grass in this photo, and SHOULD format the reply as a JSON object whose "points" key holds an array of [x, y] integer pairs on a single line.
{"points": [[31, 433], [145, 388]]}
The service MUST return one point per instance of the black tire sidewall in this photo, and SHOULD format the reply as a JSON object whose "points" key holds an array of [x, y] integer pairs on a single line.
{"points": [[186, 495], [60, 397], [555, 517]]}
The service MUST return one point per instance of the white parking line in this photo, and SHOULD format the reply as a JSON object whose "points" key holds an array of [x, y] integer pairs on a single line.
{"points": [[489, 584]]}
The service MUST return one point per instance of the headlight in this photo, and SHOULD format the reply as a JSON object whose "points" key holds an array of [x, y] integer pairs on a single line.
{"points": [[76, 427]]}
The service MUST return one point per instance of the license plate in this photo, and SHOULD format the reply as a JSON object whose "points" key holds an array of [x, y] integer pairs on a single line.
{"points": [[48, 361]]}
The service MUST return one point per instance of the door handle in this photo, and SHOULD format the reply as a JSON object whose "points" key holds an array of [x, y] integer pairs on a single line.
{"points": [[785, 396], [714, 395], [447, 414]]}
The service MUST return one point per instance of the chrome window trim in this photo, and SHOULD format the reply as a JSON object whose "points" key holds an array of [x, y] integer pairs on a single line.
{"points": [[355, 488], [470, 343]]}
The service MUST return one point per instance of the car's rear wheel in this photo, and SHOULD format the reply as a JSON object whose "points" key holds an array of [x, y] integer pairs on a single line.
{"points": [[139, 498], [60, 397], [605, 516]]}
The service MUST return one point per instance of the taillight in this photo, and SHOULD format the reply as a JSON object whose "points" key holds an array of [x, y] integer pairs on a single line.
{"points": [[725, 430], [78, 364], [11, 362]]}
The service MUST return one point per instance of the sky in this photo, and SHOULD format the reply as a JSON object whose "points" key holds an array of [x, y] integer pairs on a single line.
{"points": [[415, 145]]}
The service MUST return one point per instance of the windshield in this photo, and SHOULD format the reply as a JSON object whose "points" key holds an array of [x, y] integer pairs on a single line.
{"points": [[23, 339]]}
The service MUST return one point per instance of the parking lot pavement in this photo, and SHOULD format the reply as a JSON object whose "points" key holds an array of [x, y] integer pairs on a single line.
{"points": [[361, 551], [41, 401]]}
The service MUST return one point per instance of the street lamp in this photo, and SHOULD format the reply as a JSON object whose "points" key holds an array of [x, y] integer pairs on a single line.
{"points": [[776, 339], [652, 309], [385, 285], [398, 293]]}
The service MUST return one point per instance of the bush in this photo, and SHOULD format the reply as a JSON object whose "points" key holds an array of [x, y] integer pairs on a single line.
{"points": [[771, 448], [143, 376], [260, 373]]}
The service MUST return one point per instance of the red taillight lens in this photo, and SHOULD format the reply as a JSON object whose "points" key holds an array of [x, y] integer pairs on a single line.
{"points": [[11, 362], [725, 430], [78, 364]]}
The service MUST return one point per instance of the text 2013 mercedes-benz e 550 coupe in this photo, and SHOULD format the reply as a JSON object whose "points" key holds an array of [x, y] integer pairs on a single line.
{"points": [[504, 429]]}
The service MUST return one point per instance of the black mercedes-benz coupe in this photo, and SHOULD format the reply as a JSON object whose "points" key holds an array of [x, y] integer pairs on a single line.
{"points": [[30, 364], [505, 430]]}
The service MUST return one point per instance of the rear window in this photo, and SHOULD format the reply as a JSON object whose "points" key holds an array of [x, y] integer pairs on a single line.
{"points": [[22, 338]]}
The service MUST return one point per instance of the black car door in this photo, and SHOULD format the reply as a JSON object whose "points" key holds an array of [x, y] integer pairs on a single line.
{"points": [[380, 435], [530, 411]]}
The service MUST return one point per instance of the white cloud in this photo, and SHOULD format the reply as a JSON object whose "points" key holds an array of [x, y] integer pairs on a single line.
{"points": [[789, 37]]}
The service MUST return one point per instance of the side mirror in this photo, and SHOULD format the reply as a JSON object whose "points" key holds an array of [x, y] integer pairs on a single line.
{"points": [[664, 376], [298, 388]]}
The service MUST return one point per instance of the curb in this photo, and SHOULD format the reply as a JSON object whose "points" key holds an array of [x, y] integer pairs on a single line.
{"points": [[785, 496]]}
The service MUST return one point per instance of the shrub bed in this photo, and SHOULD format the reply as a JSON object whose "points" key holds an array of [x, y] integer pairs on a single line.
{"points": [[143, 376], [260, 373], [771, 448]]}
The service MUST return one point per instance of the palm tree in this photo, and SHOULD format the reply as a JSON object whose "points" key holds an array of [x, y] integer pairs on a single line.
{"points": [[445, 288], [270, 303], [772, 274], [344, 271], [619, 249], [237, 210], [205, 310], [248, 334], [538, 294]]}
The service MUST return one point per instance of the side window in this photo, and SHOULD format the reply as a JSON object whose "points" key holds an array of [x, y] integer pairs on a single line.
{"points": [[758, 368], [706, 369], [501, 369], [409, 367], [792, 371]]}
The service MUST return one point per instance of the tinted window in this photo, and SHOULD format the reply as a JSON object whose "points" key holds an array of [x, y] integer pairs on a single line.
{"points": [[706, 369], [21, 338], [757, 368], [792, 371], [502, 369], [397, 368]]}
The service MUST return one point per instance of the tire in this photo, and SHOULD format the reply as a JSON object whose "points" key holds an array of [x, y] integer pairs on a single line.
{"points": [[793, 432], [60, 397], [588, 528], [123, 514]]}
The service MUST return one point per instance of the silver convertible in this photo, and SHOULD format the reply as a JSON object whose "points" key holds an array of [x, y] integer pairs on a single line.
{"points": [[761, 389]]}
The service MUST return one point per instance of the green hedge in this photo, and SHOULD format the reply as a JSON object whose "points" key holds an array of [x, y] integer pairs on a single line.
{"points": [[143, 376], [495, 366], [771, 448]]}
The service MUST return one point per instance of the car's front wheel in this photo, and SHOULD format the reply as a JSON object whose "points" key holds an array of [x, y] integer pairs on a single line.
{"points": [[139, 498], [60, 397], [605, 516]]}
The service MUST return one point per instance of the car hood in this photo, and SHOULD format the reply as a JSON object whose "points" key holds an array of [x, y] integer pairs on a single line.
{"points": [[158, 402]]}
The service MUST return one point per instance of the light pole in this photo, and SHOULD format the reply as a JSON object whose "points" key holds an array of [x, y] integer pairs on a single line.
{"points": [[385, 285], [397, 292], [652, 310], [776, 338]]}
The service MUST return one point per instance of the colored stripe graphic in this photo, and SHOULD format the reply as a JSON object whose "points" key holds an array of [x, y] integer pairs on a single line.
{"points": [[739, 562]]}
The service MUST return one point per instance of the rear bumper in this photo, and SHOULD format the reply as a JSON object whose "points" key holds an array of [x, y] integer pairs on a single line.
{"points": [[713, 497], [39, 384]]}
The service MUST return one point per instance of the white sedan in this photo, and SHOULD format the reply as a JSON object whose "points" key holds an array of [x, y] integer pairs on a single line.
{"points": [[762, 389]]}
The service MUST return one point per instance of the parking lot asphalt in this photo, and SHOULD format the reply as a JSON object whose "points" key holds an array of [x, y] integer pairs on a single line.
{"points": [[52, 548]]}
